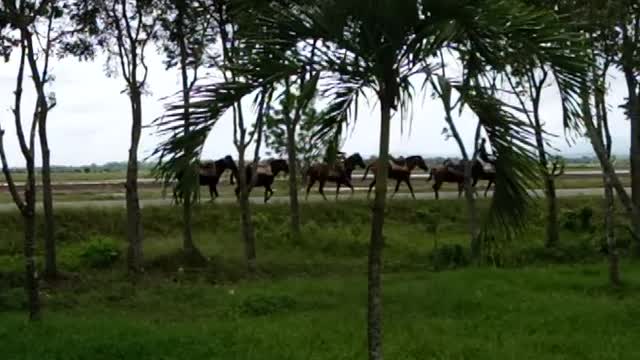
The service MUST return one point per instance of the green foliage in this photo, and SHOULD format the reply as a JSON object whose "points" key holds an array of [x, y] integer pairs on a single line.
{"points": [[100, 252], [449, 257], [578, 220], [263, 305]]}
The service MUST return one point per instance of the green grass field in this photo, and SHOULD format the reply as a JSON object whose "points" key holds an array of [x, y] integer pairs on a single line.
{"points": [[308, 299]]}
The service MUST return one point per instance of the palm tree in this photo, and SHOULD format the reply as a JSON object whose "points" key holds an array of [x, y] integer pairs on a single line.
{"points": [[367, 46]]}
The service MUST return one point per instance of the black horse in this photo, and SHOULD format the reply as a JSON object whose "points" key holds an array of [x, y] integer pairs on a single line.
{"points": [[341, 174], [399, 171], [209, 175], [265, 176]]}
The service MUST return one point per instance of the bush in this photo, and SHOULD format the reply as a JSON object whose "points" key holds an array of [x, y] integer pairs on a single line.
{"points": [[261, 305], [449, 257], [100, 252]]}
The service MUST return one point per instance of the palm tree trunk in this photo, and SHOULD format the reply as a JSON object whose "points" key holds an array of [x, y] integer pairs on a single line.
{"points": [[552, 211], [134, 216], [634, 117], [376, 243], [614, 267], [473, 210], [50, 264], [248, 235], [41, 115], [29, 216], [188, 245], [294, 205]]}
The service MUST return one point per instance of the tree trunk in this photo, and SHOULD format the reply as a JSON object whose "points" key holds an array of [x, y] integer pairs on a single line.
{"points": [[614, 268], [41, 115], [31, 278], [50, 264], [552, 211], [377, 240], [475, 244], [134, 216], [188, 245], [294, 205], [248, 235], [634, 118]]}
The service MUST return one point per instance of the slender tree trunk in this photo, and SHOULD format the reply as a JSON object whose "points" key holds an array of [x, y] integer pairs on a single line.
{"points": [[41, 116], [609, 226], [475, 244], [134, 216], [29, 215], [552, 211], [189, 248], [634, 118], [248, 235], [376, 243], [50, 264], [294, 205]]}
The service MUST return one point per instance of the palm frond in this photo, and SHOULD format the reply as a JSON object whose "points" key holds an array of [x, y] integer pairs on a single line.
{"points": [[516, 169]]}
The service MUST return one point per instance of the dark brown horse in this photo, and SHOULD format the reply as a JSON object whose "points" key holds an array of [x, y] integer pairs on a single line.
{"points": [[209, 174], [399, 170], [452, 172], [341, 175], [265, 175]]}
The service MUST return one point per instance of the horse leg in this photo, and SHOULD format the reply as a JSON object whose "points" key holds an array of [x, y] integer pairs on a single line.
{"points": [[321, 189], [373, 183], [337, 190], [436, 187], [460, 188], [309, 186], [396, 190], [266, 194], [215, 190], [212, 191], [488, 187], [408, 182], [350, 186]]}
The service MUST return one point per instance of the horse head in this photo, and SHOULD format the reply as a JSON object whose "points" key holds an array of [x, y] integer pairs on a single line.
{"points": [[278, 165], [354, 161], [417, 161]]}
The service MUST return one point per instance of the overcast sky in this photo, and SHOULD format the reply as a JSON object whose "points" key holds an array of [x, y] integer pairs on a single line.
{"points": [[91, 122]]}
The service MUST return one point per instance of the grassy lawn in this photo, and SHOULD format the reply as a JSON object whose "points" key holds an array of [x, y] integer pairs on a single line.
{"points": [[556, 312], [307, 300]]}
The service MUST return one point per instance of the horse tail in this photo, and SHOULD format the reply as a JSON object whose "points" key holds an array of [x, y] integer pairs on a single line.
{"points": [[366, 171]]}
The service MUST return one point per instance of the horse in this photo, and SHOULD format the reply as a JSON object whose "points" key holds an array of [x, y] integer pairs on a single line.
{"points": [[454, 173], [399, 170], [209, 174], [265, 176], [340, 175], [487, 173]]}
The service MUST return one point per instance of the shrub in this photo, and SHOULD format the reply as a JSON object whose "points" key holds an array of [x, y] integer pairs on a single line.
{"points": [[100, 252], [261, 305], [449, 257]]}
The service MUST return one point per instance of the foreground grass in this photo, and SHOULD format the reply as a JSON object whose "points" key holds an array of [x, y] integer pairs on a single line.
{"points": [[307, 300], [554, 312]]}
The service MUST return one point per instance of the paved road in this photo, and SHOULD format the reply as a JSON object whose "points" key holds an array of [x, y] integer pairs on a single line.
{"points": [[312, 198]]}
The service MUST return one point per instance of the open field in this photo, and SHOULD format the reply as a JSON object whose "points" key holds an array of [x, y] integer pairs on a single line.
{"points": [[308, 300]]}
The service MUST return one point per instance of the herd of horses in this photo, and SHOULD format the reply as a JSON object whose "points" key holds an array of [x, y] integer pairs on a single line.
{"points": [[340, 174]]}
